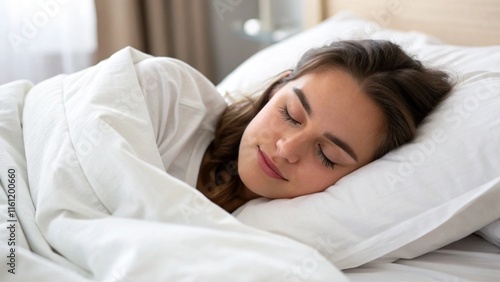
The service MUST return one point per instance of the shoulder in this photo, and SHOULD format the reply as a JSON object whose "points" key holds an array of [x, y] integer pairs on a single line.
{"points": [[169, 69], [169, 79]]}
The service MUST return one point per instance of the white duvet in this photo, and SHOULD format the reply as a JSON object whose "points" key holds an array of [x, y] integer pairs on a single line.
{"points": [[93, 202]]}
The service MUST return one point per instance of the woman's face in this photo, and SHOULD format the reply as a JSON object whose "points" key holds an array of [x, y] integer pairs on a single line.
{"points": [[313, 131]]}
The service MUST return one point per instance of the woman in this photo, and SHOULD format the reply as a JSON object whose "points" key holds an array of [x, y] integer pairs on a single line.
{"points": [[343, 106]]}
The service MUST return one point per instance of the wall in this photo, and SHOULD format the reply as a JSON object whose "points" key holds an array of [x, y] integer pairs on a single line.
{"points": [[288, 13], [230, 48]]}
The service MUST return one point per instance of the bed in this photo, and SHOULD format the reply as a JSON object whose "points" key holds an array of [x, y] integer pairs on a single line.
{"points": [[428, 211]]}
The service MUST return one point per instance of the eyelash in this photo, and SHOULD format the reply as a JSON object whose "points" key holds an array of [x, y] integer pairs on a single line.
{"points": [[287, 117], [326, 162]]}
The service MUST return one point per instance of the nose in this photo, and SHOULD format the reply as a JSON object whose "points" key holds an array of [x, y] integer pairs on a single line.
{"points": [[289, 147]]}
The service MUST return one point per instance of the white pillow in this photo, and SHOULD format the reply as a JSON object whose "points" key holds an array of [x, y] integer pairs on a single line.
{"points": [[437, 189], [491, 232]]}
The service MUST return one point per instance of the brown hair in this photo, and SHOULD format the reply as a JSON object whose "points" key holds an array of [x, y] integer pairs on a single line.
{"points": [[402, 87]]}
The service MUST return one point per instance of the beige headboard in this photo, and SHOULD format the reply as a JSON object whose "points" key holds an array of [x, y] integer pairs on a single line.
{"points": [[461, 22]]}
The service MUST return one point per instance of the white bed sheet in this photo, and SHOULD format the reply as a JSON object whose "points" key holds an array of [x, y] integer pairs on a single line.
{"points": [[469, 259]]}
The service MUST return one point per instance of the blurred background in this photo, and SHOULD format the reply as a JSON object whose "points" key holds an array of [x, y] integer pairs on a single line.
{"points": [[43, 38]]}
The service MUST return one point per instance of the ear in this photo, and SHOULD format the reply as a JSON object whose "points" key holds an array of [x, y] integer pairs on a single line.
{"points": [[283, 78], [278, 83], [285, 75]]}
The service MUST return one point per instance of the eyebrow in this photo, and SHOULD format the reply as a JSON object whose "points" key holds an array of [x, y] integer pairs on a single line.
{"points": [[335, 140], [343, 145], [303, 100]]}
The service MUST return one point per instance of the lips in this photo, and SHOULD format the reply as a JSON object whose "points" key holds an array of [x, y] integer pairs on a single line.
{"points": [[268, 167]]}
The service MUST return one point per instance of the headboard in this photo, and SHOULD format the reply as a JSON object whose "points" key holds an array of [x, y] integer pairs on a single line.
{"points": [[460, 22]]}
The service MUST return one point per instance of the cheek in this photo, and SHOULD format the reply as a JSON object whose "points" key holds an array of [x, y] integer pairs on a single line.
{"points": [[275, 123], [316, 178], [265, 128], [320, 178]]}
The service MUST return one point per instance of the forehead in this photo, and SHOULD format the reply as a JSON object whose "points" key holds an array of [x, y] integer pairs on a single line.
{"points": [[329, 86], [339, 106]]}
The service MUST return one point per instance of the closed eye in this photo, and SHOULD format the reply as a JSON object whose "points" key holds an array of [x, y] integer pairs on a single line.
{"points": [[287, 117], [326, 162]]}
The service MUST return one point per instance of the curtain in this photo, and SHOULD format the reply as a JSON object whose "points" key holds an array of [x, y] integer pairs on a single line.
{"points": [[173, 28], [45, 38]]}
